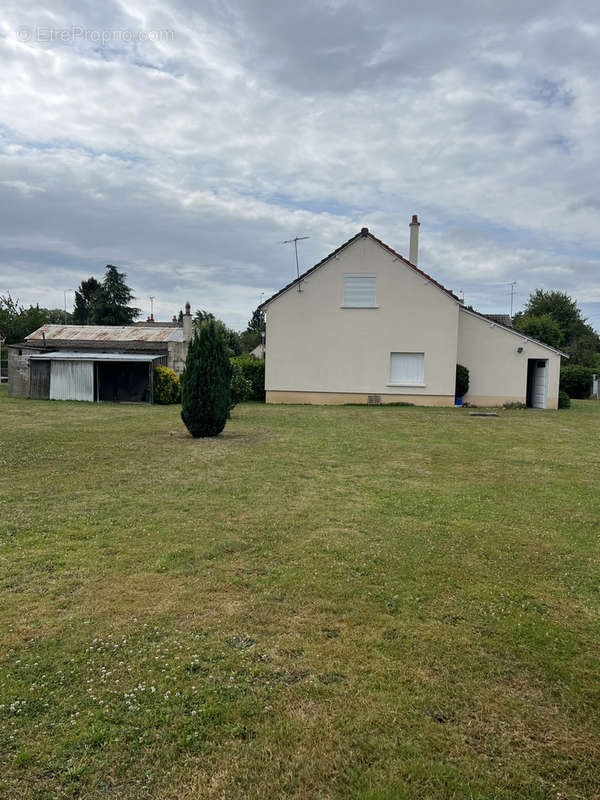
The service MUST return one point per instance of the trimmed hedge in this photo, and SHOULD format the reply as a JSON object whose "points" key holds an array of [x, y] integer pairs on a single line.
{"points": [[576, 381], [167, 386], [253, 369]]}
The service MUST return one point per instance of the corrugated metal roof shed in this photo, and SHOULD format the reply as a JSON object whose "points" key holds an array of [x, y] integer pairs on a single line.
{"points": [[105, 333], [61, 355]]}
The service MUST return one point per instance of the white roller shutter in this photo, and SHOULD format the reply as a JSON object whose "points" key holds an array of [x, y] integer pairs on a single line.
{"points": [[72, 380], [407, 369], [360, 291]]}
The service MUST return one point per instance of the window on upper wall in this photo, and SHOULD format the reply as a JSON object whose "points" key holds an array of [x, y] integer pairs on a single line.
{"points": [[407, 369], [359, 291]]}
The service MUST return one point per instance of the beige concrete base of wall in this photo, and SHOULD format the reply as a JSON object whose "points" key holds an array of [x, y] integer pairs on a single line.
{"points": [[339, 398], [481, 400]]}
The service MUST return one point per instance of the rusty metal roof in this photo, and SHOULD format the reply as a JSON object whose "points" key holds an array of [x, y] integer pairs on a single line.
{"points": [[104, 333]]}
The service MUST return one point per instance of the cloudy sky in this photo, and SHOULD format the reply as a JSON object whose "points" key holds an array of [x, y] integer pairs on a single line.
{"points": [[184, 141]]}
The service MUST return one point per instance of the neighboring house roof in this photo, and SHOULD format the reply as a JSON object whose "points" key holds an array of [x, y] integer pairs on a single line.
{"points": [[514, 331], [501, 319], [363, 234], [104, 333]]}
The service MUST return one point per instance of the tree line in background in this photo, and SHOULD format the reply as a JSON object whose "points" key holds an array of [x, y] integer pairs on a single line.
{"points": [[16, 321], [238, 343], [108, 302], [554, 318]]}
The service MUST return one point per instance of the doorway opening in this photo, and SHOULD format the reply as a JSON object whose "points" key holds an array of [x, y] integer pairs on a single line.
{"points": [[537, 383]]}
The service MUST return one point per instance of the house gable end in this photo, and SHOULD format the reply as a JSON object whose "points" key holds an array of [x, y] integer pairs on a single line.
{"points": [[335, 254]]}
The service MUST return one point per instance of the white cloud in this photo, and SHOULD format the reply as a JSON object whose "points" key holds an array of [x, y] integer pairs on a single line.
{"points": [[188, 158]]}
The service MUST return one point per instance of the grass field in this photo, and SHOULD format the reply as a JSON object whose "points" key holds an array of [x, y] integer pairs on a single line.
{"points": [[333, 602]]}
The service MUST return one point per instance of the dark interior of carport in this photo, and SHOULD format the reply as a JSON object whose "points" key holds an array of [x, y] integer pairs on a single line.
{"points": [[123, 381]]}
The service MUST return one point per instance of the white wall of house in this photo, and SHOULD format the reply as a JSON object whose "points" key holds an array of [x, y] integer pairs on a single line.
{"points": [[497, 371], [321, 352]]}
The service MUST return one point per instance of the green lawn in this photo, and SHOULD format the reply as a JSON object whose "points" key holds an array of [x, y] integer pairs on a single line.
{"points": [[322, 602]]}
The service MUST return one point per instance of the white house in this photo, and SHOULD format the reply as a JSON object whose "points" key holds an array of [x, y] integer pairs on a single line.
{"points": [[365, 325]]}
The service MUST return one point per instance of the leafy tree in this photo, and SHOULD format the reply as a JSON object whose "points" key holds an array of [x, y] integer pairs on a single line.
{"points": [[202, 316], [17, 322], [109, 304], [84, 298], [253, 334], [576, 381], [562, 308], [231, 337], [542, 327], [579, 339], [206, 382], [58, 316]]}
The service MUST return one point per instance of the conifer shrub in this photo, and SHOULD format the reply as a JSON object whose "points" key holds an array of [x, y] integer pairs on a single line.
{"points": [[206, 382], [254, 370], [462, 381], [167, 386]]}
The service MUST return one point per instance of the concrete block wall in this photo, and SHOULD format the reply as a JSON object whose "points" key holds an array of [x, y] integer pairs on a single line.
{"points": [[177, 354], [18, 370]]}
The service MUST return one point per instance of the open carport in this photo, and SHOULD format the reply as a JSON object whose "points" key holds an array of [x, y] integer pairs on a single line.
{"points": [[111, 377]]}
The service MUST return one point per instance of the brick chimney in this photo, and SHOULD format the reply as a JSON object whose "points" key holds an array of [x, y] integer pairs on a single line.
{"points": [[187, 324]]}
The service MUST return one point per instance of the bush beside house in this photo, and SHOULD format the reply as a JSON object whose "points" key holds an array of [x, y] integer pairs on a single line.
{"points": [[253, 369], [462, 381], [564, 401], [576, 381], [241, 388], [167, 386]]}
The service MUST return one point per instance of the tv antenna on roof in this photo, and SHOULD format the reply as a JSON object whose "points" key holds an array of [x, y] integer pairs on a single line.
{"points": [[512, 285], [295, 240]]}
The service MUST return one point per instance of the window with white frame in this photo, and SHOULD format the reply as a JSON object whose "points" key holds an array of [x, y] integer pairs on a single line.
{"points": [[359, 291], [407, 369]]}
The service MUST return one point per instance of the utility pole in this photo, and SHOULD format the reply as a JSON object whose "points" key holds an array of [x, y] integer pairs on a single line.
{"points": [[295, 240], [65, 299]]}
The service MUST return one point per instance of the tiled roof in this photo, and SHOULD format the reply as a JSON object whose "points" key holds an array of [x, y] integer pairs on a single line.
{"points": [[501, 319], [364, 233]]}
